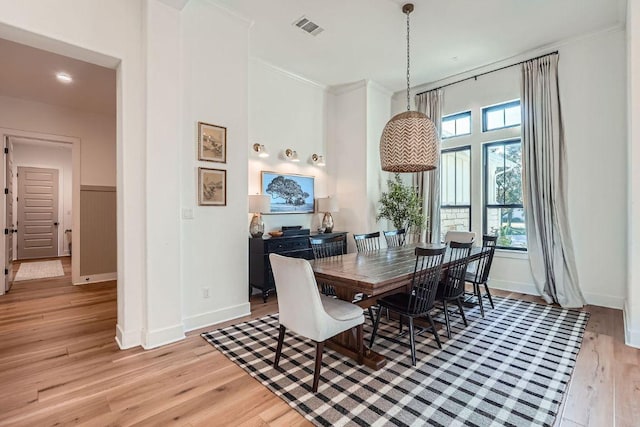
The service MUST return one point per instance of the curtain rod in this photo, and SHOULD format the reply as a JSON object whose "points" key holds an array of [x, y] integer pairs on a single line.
{"points": [[487, 72]]}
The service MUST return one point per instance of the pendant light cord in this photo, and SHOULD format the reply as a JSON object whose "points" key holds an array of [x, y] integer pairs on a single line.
{"points": [[408, 56]]}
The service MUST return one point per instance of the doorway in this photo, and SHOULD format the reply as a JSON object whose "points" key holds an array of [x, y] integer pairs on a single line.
{"points": [[37, 220]]}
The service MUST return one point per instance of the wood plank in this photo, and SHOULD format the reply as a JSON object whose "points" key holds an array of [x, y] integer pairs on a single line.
{"points": [[59, 364]]}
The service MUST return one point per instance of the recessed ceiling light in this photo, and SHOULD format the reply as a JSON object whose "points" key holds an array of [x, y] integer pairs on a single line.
{"points": [[64, 77]]}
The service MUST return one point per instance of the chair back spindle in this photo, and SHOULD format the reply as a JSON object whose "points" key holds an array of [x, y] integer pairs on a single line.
{"points": [[486, 259], [327, 247], [457, 269], [426, 277], [395, 238], [367, 242]]}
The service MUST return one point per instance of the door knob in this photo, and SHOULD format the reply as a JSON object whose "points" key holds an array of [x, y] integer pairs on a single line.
{"points": [[55, 223]]}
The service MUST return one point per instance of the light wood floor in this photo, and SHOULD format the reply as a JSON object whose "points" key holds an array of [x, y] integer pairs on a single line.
{"points": [[60, 365]]}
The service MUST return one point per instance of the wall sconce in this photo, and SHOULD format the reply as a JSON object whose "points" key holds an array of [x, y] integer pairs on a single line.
{"points": [[317, 159], [261, 150], [291, 155]]}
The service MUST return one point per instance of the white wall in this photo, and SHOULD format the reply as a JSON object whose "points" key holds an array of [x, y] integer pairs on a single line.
{"points": [[96, 131], [286, 111], [378, 114], [347, 126], [53, 156], [214, 79], [162, 294], [108, 34], [590, 68], [632, 306]]}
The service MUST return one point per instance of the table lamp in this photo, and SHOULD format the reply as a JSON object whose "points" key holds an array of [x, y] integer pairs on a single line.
{"points": [[257, 204], [327, 205]]}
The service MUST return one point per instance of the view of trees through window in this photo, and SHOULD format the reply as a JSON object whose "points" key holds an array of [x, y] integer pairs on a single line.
{"points": [[497, 160], [504, 213]]}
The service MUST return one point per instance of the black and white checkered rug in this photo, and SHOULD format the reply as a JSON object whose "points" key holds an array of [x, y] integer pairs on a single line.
{"points": [[510, 368]]}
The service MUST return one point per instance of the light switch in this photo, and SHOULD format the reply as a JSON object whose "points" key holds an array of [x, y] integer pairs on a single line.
{"points": [[187, 213]]}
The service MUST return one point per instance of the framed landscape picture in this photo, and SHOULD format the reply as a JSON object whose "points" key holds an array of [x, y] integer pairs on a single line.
{"points": [[212, 187], [288, 193], [212, 143]]}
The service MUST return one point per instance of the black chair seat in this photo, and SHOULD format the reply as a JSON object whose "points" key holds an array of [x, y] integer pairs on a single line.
{"points": [[397, 302]]}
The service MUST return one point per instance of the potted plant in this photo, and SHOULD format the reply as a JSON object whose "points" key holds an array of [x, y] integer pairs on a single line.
{"points": [[402, 206]]}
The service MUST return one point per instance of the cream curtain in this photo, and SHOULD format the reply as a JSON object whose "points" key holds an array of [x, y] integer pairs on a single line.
{"points": [[545, 185], [428, 183]]}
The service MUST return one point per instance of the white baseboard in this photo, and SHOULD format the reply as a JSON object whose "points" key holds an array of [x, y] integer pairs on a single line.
{"points": [[164, 336], [216, 316], [523, 288], [604, 300], [631, 336], [96, 278], [127, 340]]}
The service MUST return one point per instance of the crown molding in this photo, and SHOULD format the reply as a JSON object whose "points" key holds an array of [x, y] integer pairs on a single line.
{"points": [[289, 73]]}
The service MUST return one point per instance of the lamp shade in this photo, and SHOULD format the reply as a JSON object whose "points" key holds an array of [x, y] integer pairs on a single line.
{"points": [[258, 203], [328, 204], [409, 143]]}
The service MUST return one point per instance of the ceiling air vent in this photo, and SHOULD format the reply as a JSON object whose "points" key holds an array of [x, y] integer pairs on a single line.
{"points": [[308, 26]]}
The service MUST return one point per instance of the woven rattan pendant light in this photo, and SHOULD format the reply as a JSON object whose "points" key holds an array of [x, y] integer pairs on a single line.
{"points": [[409, 141]]}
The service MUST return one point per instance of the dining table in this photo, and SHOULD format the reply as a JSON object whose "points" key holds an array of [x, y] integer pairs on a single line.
{"points": [[364, 277]]}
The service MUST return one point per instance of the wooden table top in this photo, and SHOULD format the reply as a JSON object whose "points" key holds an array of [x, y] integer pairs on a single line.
{"points": [[375, 272]]}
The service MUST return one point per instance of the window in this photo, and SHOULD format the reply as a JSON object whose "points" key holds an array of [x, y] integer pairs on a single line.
{"points": [[504, 214], [455, 192], [501, 116], [456, 125]]}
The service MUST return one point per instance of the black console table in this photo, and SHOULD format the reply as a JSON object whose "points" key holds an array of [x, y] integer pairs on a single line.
{"points": [[260, 275]]}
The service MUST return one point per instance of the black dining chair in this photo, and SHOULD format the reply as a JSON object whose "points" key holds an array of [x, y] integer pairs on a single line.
{"points": [[451, 289], [395, 238], [479, 275], [367, 242], [324, 247], [420, 301]]}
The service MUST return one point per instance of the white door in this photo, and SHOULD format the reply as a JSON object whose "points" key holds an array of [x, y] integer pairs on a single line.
{"points": [[37, 213], [9, 223]]}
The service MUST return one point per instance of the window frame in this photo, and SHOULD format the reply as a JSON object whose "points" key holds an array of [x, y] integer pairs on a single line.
{"points": [[485, 190], [455, 117], [452, 150], [497, 107]]}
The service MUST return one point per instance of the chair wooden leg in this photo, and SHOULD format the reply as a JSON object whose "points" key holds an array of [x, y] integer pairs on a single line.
{"points": [[476, 290], [435, 332], [486, 288], [279, 347], [412, 341], [446, 317], [316, 371], [375, 328], [360, 344], [464, 318], [399, 323], [373, 320]]}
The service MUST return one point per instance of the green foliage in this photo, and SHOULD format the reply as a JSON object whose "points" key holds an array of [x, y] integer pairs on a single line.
{"points": [[287, 189], [401, 205], [510, 186]]}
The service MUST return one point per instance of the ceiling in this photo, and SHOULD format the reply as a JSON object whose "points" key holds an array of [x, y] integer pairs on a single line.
{"points": [[362, 39], [366, 39], [30, 73]]}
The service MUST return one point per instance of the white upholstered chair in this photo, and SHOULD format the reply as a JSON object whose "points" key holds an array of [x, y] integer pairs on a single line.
{"points": [[304, 311], [459, 236]]}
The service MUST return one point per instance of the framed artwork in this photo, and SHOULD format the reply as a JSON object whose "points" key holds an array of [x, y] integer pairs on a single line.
{"points": [[288, 193], [212, 143], [212, 187]]}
